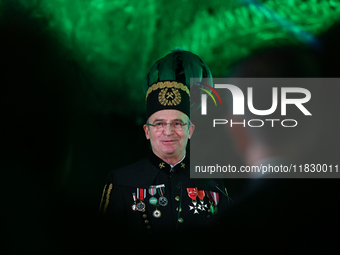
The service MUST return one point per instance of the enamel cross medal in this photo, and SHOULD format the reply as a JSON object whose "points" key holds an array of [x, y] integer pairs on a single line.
{"points": [[192, 193], [201, 194]]}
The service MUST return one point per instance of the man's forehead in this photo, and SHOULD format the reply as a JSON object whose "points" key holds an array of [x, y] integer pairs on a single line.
{"points": [[168, 115]]}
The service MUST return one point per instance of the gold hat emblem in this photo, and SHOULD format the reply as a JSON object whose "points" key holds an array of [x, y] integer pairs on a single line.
{"points": [[168, 97], [167, 84]]}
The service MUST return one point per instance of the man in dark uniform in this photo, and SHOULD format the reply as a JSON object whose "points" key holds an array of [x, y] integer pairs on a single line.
{"points": [[156, 194]]}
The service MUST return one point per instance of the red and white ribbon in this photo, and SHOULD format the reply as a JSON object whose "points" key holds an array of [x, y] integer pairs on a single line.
{"points": [[213, 197], [141, 194]]}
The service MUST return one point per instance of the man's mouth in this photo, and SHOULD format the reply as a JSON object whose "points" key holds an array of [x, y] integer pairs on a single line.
{"points": [[168, 141]]}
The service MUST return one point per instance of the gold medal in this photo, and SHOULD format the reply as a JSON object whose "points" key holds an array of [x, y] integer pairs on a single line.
{"points": [[156, 213], [140, 206], [141, 194]]}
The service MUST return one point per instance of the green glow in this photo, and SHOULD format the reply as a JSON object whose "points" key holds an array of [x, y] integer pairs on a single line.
{"points": [[116, 41]]}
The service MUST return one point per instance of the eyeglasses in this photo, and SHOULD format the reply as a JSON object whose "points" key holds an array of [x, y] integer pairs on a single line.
{"points": [[175, 125]]}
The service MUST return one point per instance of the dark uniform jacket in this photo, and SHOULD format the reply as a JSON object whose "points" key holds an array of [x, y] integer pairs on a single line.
{"points": [[122, 184]]}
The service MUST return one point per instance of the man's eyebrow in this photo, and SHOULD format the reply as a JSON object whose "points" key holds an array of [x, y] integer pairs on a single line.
{"points": [[178, 120], [171, 120], [158, 120]]}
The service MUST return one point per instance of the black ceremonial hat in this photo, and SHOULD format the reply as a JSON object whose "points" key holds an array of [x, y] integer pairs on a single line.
{"points": [[168, 82]]}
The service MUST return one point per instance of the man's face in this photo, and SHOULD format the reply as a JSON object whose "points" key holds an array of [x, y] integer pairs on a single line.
{"points": [[169, 142]]}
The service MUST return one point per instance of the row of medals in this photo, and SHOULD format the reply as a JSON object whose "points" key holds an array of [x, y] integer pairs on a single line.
{"points": [[140, 206], [163, 201]]}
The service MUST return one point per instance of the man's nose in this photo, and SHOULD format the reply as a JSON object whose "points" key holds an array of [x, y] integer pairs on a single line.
{"points": [[168, 129]]}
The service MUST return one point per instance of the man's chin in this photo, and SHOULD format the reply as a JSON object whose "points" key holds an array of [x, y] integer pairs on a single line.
{"points": [[170, 152]]}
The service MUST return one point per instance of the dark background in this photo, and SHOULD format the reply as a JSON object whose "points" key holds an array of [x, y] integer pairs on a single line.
{"points": [[72, 105]]}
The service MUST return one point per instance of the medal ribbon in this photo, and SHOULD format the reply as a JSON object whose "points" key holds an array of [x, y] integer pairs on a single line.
{"points": [[134, 197], [141, 194], [152, 190], [161, 191], [213, 197], [200, 194], [192, 193]]}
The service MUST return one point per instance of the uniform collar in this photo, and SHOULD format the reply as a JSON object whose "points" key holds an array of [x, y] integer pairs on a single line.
{"points": [[166, 167], [142, 175], [202, 184]]}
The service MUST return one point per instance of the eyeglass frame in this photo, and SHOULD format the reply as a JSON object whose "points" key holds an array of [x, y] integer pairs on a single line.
{"points": [[169, 123]]}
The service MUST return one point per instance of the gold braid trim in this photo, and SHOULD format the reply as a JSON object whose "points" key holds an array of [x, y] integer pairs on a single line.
{"points": [[226, 191], [107, 198], [167, 84], [101, 201]]}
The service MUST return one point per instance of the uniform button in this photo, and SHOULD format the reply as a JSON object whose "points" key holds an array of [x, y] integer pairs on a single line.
{"points": [[180, 220], [177, 198], [146, 221], [148, 227], [180, 209], [144, 215]]}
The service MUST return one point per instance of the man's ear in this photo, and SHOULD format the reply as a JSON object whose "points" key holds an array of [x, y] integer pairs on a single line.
{"points": [[146, 130], [191, 130]]}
